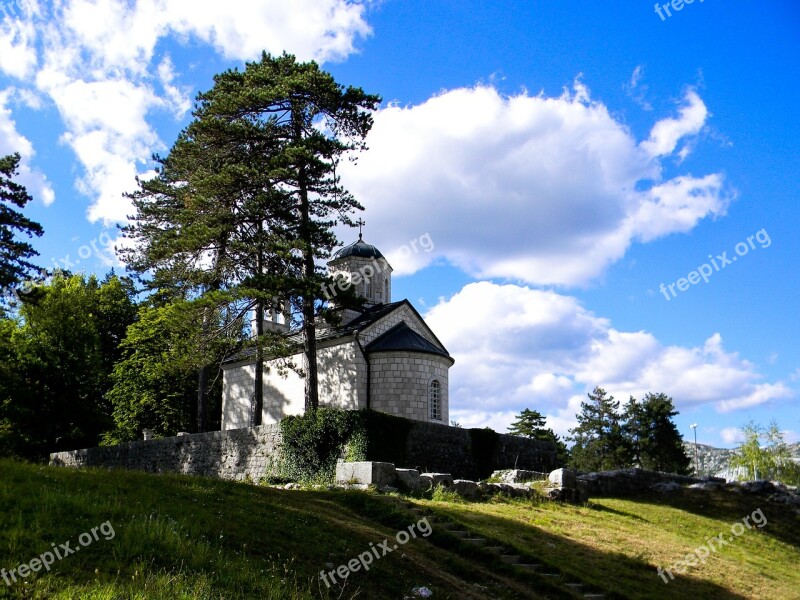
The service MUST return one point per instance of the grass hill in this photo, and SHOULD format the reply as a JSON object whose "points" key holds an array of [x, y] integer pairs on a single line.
{"points": [[168, 536]]}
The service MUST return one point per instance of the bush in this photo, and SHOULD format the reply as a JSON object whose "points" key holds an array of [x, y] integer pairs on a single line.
{"points": [[313, 442]]}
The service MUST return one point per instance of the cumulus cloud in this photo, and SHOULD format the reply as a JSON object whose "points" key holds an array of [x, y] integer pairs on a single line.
{"points": [[98, 62], [544, 190], [543, 350]]}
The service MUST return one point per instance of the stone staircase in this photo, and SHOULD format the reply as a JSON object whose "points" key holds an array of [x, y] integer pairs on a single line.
{"points": [[507, 555]]}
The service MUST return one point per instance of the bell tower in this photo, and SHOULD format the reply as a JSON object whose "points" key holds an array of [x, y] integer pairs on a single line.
{"points": [[362, 266]]}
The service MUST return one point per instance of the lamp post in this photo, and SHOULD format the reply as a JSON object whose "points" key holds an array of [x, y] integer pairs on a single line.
{"points": [[696, 462]]}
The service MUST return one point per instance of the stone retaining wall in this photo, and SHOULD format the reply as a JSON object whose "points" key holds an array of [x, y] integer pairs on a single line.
{"points": [[252, 453], [236, 454]]}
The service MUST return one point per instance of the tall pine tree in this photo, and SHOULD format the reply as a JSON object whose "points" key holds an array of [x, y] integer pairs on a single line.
{"points": [[599, 440], [14, 252], [654, 439]]}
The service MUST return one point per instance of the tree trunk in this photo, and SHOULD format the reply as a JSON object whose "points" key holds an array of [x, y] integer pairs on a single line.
{"points": [[257, 405], [202, 399]]}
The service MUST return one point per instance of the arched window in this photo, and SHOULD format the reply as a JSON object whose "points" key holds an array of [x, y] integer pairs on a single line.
{"points": [[369, 289], [386, 290], [435, 400]]}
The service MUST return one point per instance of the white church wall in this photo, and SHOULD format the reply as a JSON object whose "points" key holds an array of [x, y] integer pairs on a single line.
{"points": [[400, 383], [342, 376], [237, 389]]}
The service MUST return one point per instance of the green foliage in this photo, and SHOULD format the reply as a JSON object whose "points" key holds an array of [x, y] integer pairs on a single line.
{"points": [[154, 382], [599, 440], [655, 441], [14, 253], [772, 460], [644, 435], [313, 442], [57, 354]]}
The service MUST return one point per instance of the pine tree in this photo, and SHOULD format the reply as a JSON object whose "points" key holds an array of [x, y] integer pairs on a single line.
{"points": [[599, 440], [14, 253], [244, 205], [531, 424], [653, 438]]}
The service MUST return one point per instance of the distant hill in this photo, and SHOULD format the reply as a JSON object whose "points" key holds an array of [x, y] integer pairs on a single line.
{"points": [[716, 461]]}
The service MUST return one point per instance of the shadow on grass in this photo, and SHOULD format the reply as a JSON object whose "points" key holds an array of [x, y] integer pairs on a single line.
{"points": [[614, 574]]}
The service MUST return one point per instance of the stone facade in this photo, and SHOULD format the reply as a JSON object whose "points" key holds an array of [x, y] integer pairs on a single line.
{"points": [[238, 454], [400, 384]]}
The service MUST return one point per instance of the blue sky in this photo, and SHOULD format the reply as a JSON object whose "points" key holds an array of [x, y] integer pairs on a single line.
{"points": [[566, 159]]}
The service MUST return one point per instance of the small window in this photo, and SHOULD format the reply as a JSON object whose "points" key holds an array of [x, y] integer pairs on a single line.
{"points": [[386, 290], [369, 289], [435, 400]]}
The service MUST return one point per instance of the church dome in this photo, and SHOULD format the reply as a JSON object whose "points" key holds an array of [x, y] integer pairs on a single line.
{"points": [[358, 248]]}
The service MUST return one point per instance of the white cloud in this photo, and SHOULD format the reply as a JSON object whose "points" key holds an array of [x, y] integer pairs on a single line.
{"points": [[731, 435], [12, 141], [99, 63], [666, 134], [538, 349], [528, 188], [17, 47]]}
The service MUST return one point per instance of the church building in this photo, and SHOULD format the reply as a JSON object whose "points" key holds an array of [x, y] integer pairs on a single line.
{"points": [[383, 357]]}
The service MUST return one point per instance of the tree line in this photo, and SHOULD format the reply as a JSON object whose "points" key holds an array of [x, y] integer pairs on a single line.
{"points": [[642, 435]]}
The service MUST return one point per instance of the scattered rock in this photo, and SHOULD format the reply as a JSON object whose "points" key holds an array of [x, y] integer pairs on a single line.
{"points": [[408, 479], [434, 479], [467, 489], [517, 476]]}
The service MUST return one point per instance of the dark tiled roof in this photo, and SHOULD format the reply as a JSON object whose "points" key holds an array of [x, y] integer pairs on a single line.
{"points": [[367, 317], [402, 337], [358, 248]]}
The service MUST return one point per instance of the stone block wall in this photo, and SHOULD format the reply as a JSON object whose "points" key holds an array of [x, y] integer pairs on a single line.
{"points": [[400, 383], [236, 454], [253, 453], [467, 453]]}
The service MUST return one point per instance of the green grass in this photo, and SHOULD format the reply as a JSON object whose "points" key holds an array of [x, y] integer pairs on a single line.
{"points": [[617, 545], [182, 537]]}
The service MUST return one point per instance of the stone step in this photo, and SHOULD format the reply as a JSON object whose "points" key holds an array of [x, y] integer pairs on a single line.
{"points": [[495, 549], [459, 533], [553, 575], [477, 541], [528, 566], [594, 596], [574, 586], [512, 559]]}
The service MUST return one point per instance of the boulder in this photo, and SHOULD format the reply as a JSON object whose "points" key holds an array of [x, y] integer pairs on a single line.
{"points": [[408, 479], [366, 472], [517, 476], [434, 479], [467, 489], [563, 478]]}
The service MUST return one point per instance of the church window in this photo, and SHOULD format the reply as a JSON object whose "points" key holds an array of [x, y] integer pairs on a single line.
{"points": [[435, 400], [369, 288], [386, 290]]}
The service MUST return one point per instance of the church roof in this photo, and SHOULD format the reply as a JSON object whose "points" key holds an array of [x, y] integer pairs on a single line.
{"points": [[368, 316], [359, 248], [402, 337]]}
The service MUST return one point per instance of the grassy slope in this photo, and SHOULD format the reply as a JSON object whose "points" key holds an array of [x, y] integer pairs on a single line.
{"points": [[618, 544], [182, 537]]}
